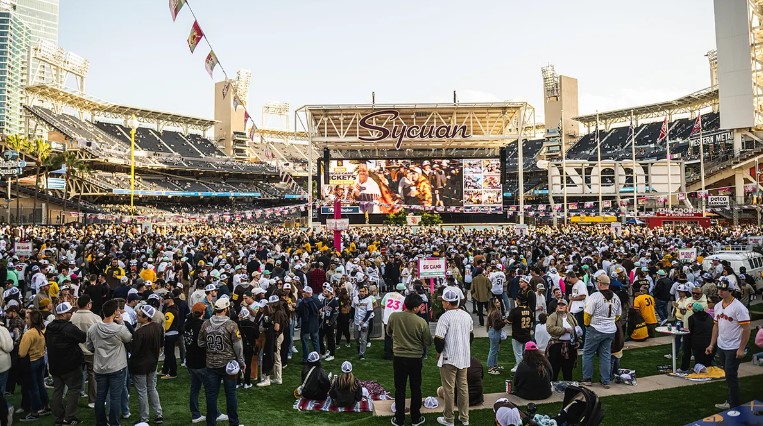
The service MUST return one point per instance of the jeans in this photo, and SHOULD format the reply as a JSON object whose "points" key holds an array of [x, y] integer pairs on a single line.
{"points": [[405, 369], [3, 380], [518, 348], [170, 365], [454, 381], [495, 347], [601, 343], [145, 386], [290, 338], [730, 364], [36, 392], [661, 306], [306, 337], [103, 383], [362, 338], [198, 376], [90, 378], [73, 381], [212, 389]]}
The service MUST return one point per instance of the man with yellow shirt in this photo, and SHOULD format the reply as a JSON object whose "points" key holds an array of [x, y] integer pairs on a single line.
{"points": [[148, 273], [644, 303]]}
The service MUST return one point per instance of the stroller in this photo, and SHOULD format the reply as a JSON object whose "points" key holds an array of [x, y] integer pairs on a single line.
{"points": [[581, 407]]}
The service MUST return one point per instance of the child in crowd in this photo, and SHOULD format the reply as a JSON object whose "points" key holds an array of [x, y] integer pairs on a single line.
{"points": [[541, 334]]}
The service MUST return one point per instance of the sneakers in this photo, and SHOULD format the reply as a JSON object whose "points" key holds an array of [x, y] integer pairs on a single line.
{"points": [[249, 386], [91, 405], [514, 370], [362, 357], [263, 383], [586, 382], [605, 385], [140, 421], [167, 376], [30, 418], [127, 415], [158, 420], [442, 421], [679, 371], [346, 345], [494, 371], [276, 382], [329, 358], [45, 412], [668, 356], [199, 419], [72, 421], [724, 406], [368, 345], [223, 418], [418, 422], [395, 422], [294, 350], [465, 423]]}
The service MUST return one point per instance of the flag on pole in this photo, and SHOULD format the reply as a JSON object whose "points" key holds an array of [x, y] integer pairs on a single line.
{"points": [[663, 130], [236, 102], [210, 63], [226, 89], [246, 117], [631, 131], [697, 125], [195, 37], [175, 6], [251, 133]]}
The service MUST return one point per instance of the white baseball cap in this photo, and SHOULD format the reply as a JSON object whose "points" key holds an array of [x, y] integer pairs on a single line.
{"points": [[232, 368]]}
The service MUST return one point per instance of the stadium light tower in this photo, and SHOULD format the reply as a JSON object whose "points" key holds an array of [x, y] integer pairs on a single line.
{"points": [[133, 124]]}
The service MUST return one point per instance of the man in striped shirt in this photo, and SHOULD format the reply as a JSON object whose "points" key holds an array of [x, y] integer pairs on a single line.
{"points": [[452, 339]]}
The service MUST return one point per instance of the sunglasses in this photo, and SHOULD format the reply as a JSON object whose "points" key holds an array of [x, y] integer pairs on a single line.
{"points": [[696, 294]]}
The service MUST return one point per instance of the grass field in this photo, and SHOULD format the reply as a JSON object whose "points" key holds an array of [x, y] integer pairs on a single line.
{"points": [[272, 406]]}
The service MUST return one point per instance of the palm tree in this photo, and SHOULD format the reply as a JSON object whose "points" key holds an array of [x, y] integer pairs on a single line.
{"points": [[75, 167], [20, 144], [40, 150]]}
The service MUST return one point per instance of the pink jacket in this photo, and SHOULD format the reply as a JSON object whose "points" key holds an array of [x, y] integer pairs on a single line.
{"points": [[759, 338]]}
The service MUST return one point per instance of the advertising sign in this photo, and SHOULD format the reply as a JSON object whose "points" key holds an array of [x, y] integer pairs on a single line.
{"points": [[718, 200], [687, 255], [11, 167], [23, 249], [345, 210], [432, 267], [338, 224], [617, 228], [755, 240], [521, 230], [412, 220]]}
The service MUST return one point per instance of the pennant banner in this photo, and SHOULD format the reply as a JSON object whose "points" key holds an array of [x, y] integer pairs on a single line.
{"points": [[195, 37], [175, 6], [210, 63], [606, 204], [226, 89]]}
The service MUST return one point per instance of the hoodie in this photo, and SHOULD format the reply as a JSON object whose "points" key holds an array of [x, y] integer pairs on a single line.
{"points": [[62, 339], [107, 342]]}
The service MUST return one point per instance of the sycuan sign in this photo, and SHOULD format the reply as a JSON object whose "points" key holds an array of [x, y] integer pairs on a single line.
{"points": [[402, 132]]}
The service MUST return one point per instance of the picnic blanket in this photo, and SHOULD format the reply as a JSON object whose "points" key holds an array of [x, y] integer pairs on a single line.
{"points": [[376, 392], [712, 373]]}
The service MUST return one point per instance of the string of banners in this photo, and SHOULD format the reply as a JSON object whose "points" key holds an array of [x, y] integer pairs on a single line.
{"points": [[265, 213], [211, 62]]}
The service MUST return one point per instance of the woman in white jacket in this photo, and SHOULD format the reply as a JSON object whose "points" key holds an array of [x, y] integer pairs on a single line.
{"points": [[6, 347]]}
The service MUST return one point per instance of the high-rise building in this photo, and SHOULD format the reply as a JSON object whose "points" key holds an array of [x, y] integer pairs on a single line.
{"points": [[42, 18], [15, 39]]}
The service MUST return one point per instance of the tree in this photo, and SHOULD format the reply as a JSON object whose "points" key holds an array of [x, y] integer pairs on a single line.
{"points": [[75, 167], [20, 144], [396, 218], [40, 149], [429, 219]]}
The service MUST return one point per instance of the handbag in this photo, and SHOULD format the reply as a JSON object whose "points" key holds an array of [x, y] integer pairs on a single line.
{"points": [[298, 390], [503, 335]]}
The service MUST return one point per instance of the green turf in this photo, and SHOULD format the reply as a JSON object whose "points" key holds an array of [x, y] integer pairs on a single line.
{"points": [[272, 406]]}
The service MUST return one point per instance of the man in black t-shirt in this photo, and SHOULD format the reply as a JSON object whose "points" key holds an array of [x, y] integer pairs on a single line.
{"points": [[521, 320]]}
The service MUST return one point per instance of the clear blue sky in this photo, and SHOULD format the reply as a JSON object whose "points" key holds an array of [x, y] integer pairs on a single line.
{"points": [[338, 51]]}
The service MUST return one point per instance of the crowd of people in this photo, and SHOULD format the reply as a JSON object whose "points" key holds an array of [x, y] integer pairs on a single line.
{"points": [[110, 305]]}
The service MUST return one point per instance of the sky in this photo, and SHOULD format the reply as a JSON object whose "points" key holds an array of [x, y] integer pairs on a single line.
{"points": [[339, 51]]}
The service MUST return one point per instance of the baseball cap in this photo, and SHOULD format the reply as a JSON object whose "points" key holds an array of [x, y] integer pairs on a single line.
{"points": [[154, 296], [273, 299], [148, 310], [199, 307], [450, 295], [696, 307], [661, 273], [531, 346], [506, 413], [603, 279], [562, 301], [244, 314], [232, 368], [400, 287], [683, 287], [63, 308], [133, 297], [723, 284], [308, 290], [258, 290], [222, 303], [347, 367], [541, 286], [313, 357], [431, 402], [210, 287], [287, 286]]}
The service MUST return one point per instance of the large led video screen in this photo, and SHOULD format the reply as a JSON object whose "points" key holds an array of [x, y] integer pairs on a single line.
{"points": [[385, 186]]}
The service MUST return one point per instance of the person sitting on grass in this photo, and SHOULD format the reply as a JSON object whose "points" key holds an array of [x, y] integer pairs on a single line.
{"points": [[346, 390], [315, 382], [533, 378]]}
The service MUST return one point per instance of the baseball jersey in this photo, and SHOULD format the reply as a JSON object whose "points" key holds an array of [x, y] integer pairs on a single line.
{"points": [[730, 320], [644, 304], [392, 302], [218, 339]]}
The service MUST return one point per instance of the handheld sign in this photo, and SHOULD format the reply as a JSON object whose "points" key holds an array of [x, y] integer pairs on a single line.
{"points": [[687, 255]]}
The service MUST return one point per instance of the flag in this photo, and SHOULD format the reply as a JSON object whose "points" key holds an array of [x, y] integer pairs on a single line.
{"points": [[226, 89], [697, 125], [175, 6], [246, 117], [210, 63], [195, 37], [251, 133], [632, 131], [236, 102], [663, 130]]}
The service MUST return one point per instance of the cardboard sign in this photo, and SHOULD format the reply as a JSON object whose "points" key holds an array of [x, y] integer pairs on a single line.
{"points": [[687, 255], [755, 240], [432, 267], [617, 228], [23, 249]]}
